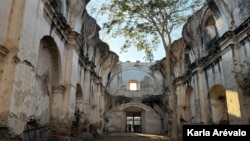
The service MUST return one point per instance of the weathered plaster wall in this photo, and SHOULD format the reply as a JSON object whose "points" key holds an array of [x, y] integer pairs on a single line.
{"points": [[215, 59], [125, 71], [115, 119], [52, 65], [5, 10], [147, 99]]}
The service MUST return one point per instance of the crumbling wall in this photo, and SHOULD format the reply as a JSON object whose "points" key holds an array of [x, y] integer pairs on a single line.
{"points": [[115, 119], [209, 58], [55, 55]]}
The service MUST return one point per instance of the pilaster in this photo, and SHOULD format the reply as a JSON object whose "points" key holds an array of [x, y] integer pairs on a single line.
{"points": [[57, 99], [237, 69], [202, 101], [86, 90]]}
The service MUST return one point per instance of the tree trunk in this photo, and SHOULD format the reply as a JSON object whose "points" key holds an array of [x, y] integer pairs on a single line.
{"points": [[173, 97]]}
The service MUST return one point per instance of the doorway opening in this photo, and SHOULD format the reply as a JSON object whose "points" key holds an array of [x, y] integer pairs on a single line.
{"points": [[133, 122]]}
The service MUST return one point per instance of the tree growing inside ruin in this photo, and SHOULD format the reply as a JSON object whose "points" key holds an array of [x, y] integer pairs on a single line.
{"points": [[145, 24]]}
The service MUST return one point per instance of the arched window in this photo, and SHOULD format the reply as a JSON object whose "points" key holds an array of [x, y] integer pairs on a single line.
{"points": [[133, 85], [210, 33]]}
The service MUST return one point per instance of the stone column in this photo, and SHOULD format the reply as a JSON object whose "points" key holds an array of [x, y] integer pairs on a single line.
{"points": [[62, 126], [71, 77], [180, 105], [86, 90], [96, 120], [93, 104], [11, 28], [97, 97], [59, 127], [203, 108], [56, 104], [239, 79], [102, 106]]}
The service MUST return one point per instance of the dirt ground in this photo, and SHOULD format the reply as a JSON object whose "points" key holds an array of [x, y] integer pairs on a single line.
{"points": [[132, 137]]}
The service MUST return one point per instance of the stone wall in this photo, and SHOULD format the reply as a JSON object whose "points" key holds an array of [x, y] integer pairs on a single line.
{"points": [[53, 68], [146, 100], [211, 65], [56, 74]]}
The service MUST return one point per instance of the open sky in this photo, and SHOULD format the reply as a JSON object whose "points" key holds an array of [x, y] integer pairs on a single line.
{"points": [[116, 43]]}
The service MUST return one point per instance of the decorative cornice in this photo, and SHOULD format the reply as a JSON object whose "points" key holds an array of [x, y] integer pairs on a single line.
{"points": [[75, 39], [85, 62], [217, 50], [59, 88], [97, 79], [57, 19], [213, 53], [182, 79]]}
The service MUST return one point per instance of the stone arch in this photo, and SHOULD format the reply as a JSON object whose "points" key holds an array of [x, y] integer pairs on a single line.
{"points": [[126, 106], [118, 83], [116, 119], [217, 97], [222, 13], [190, 105], [210, 33], [49, 62], [79, 99], [48, 79]]}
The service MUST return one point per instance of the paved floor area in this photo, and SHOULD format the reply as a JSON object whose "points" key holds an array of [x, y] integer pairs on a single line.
{"points": [[132, 137]]}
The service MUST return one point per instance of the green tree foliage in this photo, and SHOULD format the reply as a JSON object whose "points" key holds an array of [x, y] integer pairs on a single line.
{"points": [[145, 24]]}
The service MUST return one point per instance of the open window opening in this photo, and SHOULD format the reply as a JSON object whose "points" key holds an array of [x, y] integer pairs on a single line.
{"points": [[133, 85]]}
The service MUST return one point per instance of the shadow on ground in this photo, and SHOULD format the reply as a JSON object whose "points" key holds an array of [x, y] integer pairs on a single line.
{"points": [[132, 137]]}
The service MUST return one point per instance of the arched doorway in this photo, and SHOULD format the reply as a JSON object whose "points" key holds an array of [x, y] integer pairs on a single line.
{"points": [[134, 119], [137, 115], [133, 122], [217, 97]]}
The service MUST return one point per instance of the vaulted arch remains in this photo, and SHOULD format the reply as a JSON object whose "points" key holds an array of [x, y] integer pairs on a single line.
{"points": [[142, 83], [48, 78], [210, 33], [133, 117]]}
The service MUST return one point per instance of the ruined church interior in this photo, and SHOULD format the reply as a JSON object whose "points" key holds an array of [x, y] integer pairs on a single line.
{"points": [[60, 81]]}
